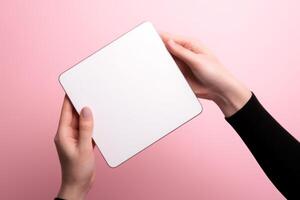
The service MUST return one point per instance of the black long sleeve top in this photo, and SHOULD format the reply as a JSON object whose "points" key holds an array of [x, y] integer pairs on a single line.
{"points": [[276, 151]]}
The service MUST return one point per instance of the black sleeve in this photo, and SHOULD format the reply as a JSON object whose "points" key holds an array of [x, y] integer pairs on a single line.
{"points": [[276, 151]]}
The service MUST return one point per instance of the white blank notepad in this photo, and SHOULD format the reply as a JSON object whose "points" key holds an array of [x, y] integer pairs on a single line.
{"points": [[135, 90]]}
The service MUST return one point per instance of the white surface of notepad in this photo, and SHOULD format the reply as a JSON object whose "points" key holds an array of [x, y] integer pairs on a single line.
{"points": [[135, 90]]}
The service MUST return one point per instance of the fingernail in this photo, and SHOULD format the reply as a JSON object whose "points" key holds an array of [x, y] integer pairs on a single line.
{"points": [[86, 113], [171, 42]]}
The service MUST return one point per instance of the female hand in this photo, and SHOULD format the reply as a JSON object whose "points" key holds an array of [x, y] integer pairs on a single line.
{"points": [[206, 75], [75, 150]]}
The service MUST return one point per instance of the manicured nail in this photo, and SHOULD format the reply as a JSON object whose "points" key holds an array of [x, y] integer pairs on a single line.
{"points": [[86, 113]]}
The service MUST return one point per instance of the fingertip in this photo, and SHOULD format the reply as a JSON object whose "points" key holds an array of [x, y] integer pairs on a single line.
{"points": [[86, 120], [66, 103], [171, 42], [86, 113], [174, 48], [66, 112], [164, 36]]}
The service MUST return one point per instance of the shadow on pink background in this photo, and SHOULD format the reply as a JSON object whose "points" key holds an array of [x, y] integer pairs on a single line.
{"points": [[205, 159]]}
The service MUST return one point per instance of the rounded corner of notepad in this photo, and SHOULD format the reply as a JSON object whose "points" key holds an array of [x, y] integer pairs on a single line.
{"points": [[60, 77], [147, 23], [199, 109], [112, 164]]}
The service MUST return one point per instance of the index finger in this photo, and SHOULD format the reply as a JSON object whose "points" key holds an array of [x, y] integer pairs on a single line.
{"points": [[66, 115], [186, 42]]}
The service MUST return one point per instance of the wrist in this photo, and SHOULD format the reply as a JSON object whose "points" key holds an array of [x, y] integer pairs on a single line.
{"points": [[232, 98], [72, 192]]}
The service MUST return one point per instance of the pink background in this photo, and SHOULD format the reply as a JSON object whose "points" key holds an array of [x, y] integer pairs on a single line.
{"points": [[205, 159]]}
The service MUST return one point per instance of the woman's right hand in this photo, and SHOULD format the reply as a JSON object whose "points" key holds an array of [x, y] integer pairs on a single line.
{"points": [[206, 75]]}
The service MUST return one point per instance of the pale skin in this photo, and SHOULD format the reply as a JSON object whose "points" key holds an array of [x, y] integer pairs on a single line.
{"points": [[208, 78], [75, 146]]}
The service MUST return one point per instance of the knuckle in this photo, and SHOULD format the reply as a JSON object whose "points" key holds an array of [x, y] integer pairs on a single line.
{"points": [[56, 140]]}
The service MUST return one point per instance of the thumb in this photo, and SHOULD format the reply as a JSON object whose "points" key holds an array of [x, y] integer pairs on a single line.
{"points": [[86, 124], [180, 52]]}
